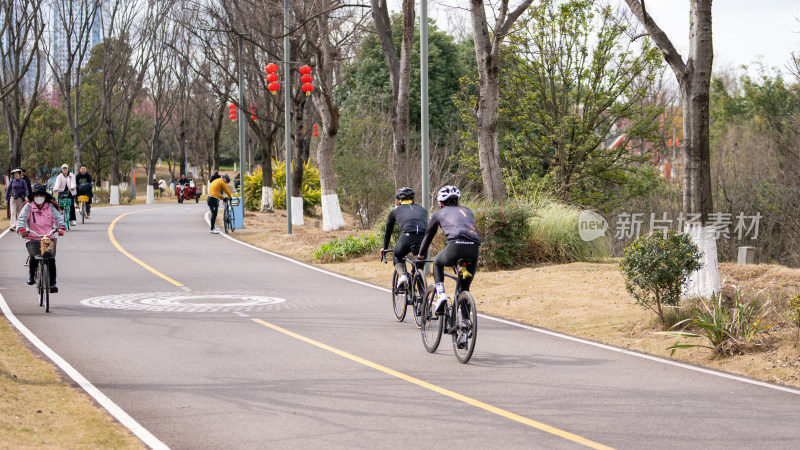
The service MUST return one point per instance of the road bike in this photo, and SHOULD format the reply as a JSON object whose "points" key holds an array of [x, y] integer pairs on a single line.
{"points": [[413, 291], [43, 252], [460, 320], [227, 213]]}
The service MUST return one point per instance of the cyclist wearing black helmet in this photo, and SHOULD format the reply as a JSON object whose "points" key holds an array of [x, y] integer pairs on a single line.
{"points": [[412, 220], [215, 195], [463, 240]]}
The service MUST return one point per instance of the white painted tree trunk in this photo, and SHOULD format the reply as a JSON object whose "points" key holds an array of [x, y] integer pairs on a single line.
{"points": [[332, 218], [266, 199], [297, 211], [114, 196], [705, 281], [151, 196]]}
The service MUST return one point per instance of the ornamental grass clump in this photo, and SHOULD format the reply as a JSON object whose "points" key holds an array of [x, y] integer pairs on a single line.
{"points": [[656, 268]]}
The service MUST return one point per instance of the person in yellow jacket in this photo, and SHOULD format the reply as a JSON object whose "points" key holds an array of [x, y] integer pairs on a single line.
{"points": [[215, 195]]}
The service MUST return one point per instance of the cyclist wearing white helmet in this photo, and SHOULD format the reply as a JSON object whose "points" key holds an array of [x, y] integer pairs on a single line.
{"points": [[412, 220], [463, 240]]}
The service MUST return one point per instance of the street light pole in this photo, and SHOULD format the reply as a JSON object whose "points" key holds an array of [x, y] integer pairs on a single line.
{"points": [[423, 65], [241, 130], [287, 85]]}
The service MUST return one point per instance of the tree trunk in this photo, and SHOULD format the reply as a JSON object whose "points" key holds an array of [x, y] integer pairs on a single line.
{"points": [[694, 77], [400, 77], [297, 161], [267, 201], [487, 54]]}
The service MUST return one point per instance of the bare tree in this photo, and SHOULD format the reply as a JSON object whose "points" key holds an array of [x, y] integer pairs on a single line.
{"points": [[400, 78], [694, 78], [21, 29], [487, 51], [75, 22]]}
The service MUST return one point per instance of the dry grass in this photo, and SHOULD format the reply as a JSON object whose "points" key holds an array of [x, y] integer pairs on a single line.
{"points": [[587, 300], [39, 409]]}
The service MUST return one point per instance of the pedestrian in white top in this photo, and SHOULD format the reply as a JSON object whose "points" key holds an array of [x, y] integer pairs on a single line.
{"points": [[66, 187]]}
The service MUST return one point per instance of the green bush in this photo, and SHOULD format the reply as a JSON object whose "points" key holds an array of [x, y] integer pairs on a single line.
{"points": [[342, 248], [312, 195], [505, 234], [794, 315], [656, 266], [727, 326]]}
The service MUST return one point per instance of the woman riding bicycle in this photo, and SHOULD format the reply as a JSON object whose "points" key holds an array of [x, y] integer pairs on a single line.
{"points": [[463, 240], [40, 216], [412, 220], [66, 187]]}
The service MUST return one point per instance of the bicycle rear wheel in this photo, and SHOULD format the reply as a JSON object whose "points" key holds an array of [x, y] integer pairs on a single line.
{"points": [[398, 299], [231, 215], [83, 212], [466, 319], [418, 297], [432, 325], [45, 285]]}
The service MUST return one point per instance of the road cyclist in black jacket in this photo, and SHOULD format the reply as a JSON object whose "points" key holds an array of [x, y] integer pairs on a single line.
{"points": [[412, 220], [463, 240]]}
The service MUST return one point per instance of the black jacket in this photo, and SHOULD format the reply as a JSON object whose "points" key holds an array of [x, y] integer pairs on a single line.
{"points": [[411, 217], [457, 223]]}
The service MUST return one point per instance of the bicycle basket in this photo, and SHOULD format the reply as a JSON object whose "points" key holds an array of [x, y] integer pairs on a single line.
{"points": [[64, 203], [234, 201], [83, 198], [47, 247]]}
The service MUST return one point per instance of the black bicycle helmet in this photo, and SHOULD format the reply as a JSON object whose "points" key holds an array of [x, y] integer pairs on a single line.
{"points": [[226, 177], [405, 193]]}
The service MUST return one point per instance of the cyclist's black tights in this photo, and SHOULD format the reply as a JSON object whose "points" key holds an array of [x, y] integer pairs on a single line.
{"points": [[450, 256], [213, 204]]}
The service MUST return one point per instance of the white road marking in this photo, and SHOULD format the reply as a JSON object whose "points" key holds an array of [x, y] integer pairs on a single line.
{"points": [[118, 413], [539, 330], [192, 303]]}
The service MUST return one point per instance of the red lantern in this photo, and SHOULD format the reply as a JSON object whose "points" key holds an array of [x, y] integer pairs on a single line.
{"points": [[306, 79], [677, 142], [232, 114], [669, 143], [305, 70], [273, 87], [273, 77], [316, 132], [307, 88], [271, 68]]}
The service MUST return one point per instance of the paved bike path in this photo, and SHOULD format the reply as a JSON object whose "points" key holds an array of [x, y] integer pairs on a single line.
{"points": [[217, 378]]}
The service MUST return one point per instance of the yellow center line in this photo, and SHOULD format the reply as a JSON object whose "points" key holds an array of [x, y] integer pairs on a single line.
{"points": [[135, 259], [440, 390]]}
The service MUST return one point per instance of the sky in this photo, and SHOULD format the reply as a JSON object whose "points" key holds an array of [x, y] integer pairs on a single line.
{"points": [[744, 30]]}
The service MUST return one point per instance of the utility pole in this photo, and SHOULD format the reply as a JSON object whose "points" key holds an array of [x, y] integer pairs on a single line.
{"points": [[423, 65], [287, 85]]}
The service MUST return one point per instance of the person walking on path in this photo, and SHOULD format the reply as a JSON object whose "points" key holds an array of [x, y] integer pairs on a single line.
{"points": [[16, 194], [215, 195]]}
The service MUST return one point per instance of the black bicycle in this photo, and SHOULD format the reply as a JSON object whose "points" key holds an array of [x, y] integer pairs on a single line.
{"points": [[412, 292], [227, 213], [460, 320], [43, 253]]}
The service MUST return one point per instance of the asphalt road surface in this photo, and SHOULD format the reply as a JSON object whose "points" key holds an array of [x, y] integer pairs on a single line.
{"points": [[208, 343]]}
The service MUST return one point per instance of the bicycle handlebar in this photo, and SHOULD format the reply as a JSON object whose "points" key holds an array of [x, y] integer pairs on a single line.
{"points": [[383, 255], [43, 235]]}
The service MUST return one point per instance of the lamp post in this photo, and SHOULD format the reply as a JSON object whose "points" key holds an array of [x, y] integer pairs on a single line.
{"points": [[423, 65], [287, 116], [241, 132]]}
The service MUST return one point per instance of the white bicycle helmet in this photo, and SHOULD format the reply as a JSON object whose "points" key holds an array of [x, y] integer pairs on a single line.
{"points": [[448, 192]]}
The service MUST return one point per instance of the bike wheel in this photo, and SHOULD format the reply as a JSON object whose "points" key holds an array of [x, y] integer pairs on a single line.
{"points": [[45, 285], [418, 297], [466, 319], [65, 215], [398, 299], [39, 286], [83, 213], [226, 220], [231, 218], [432, 325]]}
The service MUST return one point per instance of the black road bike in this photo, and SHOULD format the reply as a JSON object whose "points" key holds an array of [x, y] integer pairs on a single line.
{"points": [[227, 213], [460, 319], [412, 293]]}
